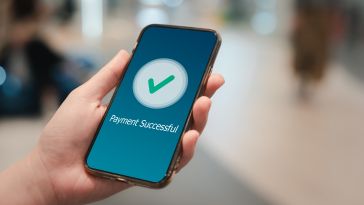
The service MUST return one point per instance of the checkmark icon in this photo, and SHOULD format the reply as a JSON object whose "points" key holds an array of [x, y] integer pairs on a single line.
{"points": [[154, 88], [160, 83]]}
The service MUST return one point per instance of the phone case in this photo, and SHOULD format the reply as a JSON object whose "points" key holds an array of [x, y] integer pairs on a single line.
{"points": [[173, 167]]}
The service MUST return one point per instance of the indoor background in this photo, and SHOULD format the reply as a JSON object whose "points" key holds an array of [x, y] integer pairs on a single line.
{"points": [[286, 128]]}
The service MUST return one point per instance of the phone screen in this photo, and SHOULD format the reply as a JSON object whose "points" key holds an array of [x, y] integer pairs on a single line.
{"points": [[144, 123]]}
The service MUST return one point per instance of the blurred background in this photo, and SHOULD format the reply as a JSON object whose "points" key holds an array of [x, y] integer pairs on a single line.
{"points": [[286, 128]]}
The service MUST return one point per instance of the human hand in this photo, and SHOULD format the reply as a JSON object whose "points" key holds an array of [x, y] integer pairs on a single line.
{"points": [[58, 158]]}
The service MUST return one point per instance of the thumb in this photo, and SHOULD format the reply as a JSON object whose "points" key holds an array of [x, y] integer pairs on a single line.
{"points": [[107, 78]]}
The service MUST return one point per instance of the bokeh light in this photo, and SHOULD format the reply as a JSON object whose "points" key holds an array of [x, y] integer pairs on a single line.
{"points": [[92, 18], [264, 22], [2, 75]]}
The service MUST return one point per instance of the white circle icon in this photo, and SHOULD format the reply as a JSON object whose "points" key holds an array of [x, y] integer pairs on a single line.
{"points": [[160, 83]]}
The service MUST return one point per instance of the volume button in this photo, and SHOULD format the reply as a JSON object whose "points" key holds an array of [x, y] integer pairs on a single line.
{"points": [[213, 60], [209, 73], [207, 77]]}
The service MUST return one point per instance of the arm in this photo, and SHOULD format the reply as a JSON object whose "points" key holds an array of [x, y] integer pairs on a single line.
{"points": [[26, 182], [54, 172]]}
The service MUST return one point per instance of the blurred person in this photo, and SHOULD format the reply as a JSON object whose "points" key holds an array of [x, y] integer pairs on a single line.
{"points": [[66, 11], [54, 172], [3, 18], [31, 65], [311, 42], [355, 24]]}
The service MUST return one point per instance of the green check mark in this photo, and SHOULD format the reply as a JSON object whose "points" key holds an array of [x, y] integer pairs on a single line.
{"points": [[154, 88]]}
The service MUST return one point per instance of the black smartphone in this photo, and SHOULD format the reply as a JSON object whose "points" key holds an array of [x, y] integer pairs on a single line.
{"points": [[139, 138]]}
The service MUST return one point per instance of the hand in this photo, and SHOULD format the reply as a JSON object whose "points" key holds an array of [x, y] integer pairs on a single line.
{"points": [[58, 159]]}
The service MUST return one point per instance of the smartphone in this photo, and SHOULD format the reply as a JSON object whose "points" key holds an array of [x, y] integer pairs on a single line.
{"points": [[139, 138]]}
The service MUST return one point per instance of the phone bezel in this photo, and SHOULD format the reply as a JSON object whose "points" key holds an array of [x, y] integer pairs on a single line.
{"points": [[178, 150]]}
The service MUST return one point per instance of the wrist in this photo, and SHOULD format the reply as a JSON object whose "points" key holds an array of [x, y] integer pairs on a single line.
{"points": [[27, 182], [40, 180]]}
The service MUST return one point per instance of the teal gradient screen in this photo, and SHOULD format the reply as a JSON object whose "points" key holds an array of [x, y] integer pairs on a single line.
{"points": [[141, 129]]}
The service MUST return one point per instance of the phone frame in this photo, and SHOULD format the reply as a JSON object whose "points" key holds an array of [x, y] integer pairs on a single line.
{"points": [[174, 163]]}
